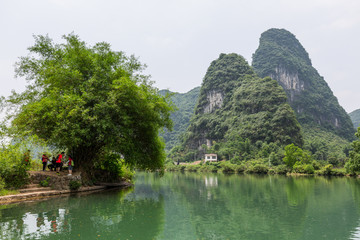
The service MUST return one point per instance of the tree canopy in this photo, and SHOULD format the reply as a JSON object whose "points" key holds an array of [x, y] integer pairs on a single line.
{"points": [[91, 101]]}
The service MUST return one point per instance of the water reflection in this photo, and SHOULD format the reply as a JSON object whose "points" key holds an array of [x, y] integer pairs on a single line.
{"points": [[211, 181], [110, 215], [195, 206]]}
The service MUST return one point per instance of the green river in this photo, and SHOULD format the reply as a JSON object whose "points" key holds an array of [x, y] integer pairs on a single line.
{"points": [[196, 206]]}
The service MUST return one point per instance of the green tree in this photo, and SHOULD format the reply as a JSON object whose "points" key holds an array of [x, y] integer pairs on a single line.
{"points": [[294, 154], [91, 101], [353, 165]]}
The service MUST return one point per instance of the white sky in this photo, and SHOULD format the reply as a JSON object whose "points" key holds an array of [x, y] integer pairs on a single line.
{"points": [[179, 39]]}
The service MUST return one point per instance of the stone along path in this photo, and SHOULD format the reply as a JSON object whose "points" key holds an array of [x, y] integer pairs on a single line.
{"points": [[59, 185]]}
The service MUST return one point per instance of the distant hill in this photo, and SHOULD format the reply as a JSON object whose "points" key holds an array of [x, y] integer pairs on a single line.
{"points": [[185, 102], [355, 118], [238, 114], [281, 56]]}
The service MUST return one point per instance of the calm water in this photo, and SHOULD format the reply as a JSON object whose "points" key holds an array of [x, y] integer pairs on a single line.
{"points": [[194, 206]]}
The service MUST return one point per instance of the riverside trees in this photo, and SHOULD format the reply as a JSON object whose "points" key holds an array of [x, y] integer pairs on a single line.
{"points": [[91, 101]]}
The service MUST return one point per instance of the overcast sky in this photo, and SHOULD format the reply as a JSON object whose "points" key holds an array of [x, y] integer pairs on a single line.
{"points": [[179, 39]]}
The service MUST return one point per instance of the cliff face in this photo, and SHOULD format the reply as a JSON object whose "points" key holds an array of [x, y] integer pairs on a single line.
{"points": [[289, 81], [281, 56], [237, 108]]}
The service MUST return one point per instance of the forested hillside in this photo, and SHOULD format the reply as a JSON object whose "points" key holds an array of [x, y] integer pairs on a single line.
{"points": [[185, 103], [238, 114], [281, 56], [355, 118]]}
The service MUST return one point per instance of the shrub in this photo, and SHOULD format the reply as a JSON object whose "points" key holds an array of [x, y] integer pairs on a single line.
{"points": [[74, 185], [316, 165], [309, 169], [281, 169], [298, 168], [227, 167], [208, 168], [192, 168], [12, 167], [240, 168], [326, 170], [2, 184], [258, 168], [339, 172], [45, 182]]}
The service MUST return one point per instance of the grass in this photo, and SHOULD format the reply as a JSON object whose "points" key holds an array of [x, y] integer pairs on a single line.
{"points": [[5, 192]]}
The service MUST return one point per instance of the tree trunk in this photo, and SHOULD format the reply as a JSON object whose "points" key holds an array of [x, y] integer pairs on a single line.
{"points": [[85, 159]]}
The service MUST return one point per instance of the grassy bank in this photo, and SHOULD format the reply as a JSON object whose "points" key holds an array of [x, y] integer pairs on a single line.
{"points": [[259, 167]]}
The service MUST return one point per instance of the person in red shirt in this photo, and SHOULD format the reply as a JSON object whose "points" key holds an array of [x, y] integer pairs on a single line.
{"points": [[44, 160], [27, 158], [59, 162]]}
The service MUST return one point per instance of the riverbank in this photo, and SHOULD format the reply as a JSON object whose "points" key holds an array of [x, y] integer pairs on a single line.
{"points": [[48, 184], [257, 167]]}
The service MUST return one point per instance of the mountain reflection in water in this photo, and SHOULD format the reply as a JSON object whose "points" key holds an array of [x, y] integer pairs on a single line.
{"points": [[196, 206]]}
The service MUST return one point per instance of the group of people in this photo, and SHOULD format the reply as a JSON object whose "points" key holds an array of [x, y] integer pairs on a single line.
{"points": [[58, 162]]}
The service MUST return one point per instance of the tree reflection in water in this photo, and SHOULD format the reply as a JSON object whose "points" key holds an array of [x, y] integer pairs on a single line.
{"points": [[109, 215], [196, 206]]}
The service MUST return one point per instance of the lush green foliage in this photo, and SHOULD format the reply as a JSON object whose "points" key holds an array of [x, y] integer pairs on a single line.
{"points": [[353, 165], [355, 118], [315, 105], [90, 100], [74, 185], [254, 119], [185, 104], [326, 146], [12, 167], [294, 155], [112, 168], [45, 182]]}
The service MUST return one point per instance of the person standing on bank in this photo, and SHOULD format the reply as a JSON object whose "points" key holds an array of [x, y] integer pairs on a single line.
{"points": [[58, 162], [44, 160], [26, 158], [70, 165]]}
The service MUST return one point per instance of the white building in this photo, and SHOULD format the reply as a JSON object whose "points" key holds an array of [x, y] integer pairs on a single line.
{"points": [[210, 157]]}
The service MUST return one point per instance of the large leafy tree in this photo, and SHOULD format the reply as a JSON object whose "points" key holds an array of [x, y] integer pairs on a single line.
{"points": [[353, 165], [92, 101]]}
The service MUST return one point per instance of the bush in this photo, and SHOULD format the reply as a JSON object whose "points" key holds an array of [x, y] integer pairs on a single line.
{"points": [[74, 185], [2, 184], [12, 167], [309, 169], [192, 168], [316, 165], [281, 169], [208, 168], [227, 167], [240, 168], [339, 172], [258, 168], [45, 182], [326, 170], [298, 168]]}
